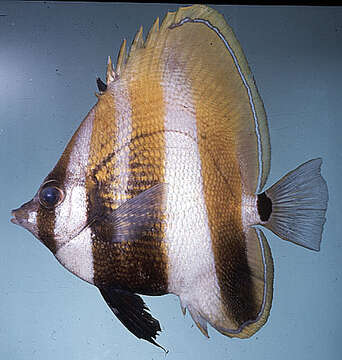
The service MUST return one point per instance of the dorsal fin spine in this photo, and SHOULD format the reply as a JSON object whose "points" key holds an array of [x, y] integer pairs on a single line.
{"points": [[121, 58], [152, 35], [138, 41], [110, 76]]}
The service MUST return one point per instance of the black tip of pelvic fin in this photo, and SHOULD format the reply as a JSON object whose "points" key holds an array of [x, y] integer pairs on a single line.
{"points": [[101, 85], [264, 204]]}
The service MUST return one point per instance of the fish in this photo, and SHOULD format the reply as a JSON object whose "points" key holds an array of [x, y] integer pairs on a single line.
{"points": [[161, 188]]}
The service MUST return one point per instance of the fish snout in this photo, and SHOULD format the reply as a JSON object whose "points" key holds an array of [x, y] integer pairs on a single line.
{"points": [[14, 219], [26, 216], [19, 216]]}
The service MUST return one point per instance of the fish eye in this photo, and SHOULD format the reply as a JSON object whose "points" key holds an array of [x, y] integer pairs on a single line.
{"points": [[50, 196]]}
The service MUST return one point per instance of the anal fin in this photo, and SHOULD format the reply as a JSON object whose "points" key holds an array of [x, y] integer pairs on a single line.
{"points": [[245, 306], [199, 320], [133, 313]]}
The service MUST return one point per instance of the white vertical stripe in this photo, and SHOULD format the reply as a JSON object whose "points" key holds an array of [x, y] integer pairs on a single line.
{"points": [[76, 256], [249, 213], [191, 266], [73, 247]]}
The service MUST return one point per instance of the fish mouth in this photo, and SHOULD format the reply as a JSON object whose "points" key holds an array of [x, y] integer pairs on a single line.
{"points": [[14, 218]]}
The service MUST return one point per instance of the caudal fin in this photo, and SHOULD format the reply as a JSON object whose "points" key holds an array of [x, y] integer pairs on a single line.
{"points": [[298, 205]]}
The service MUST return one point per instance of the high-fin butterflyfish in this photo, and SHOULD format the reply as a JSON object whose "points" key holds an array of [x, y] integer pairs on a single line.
{"points": [[160, 190]]}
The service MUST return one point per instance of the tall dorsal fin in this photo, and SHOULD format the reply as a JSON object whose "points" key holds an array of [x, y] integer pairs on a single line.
{"points": [[200, 37], [194, 26]]}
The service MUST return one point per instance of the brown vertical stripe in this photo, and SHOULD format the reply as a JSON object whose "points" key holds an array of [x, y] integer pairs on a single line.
{"points": [[217, 114], [46, 227], [138, 265]]}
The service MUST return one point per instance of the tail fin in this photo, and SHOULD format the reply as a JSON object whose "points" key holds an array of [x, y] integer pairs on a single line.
{"points": [[299, 203]]}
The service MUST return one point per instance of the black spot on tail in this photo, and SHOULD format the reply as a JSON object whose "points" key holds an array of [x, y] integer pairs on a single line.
{"points": [[264, 204]]}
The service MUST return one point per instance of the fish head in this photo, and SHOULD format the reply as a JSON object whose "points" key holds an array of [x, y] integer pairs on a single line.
{"points": [[54, 215], [58, 212]]}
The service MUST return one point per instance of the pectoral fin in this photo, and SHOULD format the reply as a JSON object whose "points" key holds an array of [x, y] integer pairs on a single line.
{"points": [[131, 310], [141, 216]]}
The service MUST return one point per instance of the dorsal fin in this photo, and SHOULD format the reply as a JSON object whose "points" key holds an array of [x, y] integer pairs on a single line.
{"points": [[110, 76], [122, 57], [250, 130], [138, 41], [101, 85], [153, 33], [200, 37]]}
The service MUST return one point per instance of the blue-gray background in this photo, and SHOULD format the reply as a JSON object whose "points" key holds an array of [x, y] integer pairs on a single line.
{"points": [[50, 55]]}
